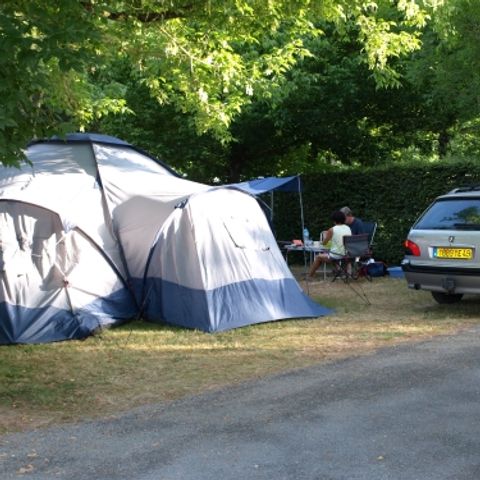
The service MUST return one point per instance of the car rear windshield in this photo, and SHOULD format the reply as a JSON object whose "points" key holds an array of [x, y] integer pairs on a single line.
{"points": [[451, 214]]}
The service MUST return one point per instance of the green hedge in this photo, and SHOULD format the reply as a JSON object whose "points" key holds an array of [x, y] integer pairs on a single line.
{"points": [[393, 196]]}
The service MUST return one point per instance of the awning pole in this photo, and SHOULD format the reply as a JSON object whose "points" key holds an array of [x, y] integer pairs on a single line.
{"points": [[305, 261], [301, 204], [271, 203]]}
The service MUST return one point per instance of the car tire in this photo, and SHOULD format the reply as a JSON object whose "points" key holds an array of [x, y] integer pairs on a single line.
{"points": [[443, 298]]}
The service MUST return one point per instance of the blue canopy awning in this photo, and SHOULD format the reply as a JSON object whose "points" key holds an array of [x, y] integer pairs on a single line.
{"points": [[268, 184]]}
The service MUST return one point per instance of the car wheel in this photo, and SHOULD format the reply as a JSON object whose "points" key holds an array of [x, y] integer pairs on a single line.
{"points": [[442, 297]]}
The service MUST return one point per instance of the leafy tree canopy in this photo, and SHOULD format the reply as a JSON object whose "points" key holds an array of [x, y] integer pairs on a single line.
{"points": [[208, 58], [447, 69]]}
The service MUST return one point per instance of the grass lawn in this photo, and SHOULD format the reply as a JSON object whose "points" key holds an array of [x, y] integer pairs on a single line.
{"points": [[140, 363]]}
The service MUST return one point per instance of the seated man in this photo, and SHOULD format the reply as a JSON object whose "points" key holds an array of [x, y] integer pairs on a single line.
{"points": [[355, 224], [334, 235]]}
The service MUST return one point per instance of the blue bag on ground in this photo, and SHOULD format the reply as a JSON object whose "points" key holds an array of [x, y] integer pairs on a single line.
{"points": [[377, 269]]}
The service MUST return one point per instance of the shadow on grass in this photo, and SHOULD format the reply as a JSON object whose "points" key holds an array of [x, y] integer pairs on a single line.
{"points": [[143, 326]]}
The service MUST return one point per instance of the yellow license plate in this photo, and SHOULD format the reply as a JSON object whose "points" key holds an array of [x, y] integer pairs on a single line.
{"points": [[449, 252]]}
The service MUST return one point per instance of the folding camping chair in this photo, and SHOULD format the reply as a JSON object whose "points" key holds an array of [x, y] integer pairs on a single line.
{"points": [[370, 228], [353, 264], [357, 253]]}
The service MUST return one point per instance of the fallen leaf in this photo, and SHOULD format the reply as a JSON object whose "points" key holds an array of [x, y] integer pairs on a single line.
{"points": [[27, 469]]}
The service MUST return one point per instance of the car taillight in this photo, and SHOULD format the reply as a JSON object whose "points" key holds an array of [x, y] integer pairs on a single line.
{"points": [[411, 248]]}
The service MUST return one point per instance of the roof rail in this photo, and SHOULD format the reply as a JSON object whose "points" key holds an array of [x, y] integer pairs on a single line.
{"points": [[466, 188]]}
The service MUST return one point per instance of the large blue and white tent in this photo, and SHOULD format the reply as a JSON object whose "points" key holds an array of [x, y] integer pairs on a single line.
{"points": [[94, 232]]}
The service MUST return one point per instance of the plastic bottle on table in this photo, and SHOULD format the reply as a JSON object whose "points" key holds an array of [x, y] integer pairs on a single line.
{"points": [[306, 236]]}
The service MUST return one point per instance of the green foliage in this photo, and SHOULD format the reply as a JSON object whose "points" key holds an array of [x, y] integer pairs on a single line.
{"points": [[330, 113], [163, 131], [394, 196], [206, 59], [47, 49], [465, 139], [445, 72]]}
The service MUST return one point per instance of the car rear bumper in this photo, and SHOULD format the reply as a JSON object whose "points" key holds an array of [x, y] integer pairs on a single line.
{"points": [[442, 279]]}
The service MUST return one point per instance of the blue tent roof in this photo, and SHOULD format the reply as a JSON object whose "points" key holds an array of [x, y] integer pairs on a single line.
{"points": [[263, 185], [83, 137]]}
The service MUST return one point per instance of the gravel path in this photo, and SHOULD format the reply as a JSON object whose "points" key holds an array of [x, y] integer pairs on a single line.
{"points": [[409, 412]]}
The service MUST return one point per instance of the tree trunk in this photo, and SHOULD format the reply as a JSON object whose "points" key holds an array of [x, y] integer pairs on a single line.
{"points": [[236, 163], [443, 141]]}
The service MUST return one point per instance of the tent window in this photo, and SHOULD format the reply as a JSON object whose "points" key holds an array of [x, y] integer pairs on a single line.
{"points": [[245, 234]]}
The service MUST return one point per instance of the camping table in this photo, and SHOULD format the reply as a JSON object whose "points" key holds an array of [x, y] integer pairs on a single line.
{"points": [[311, 250]]}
